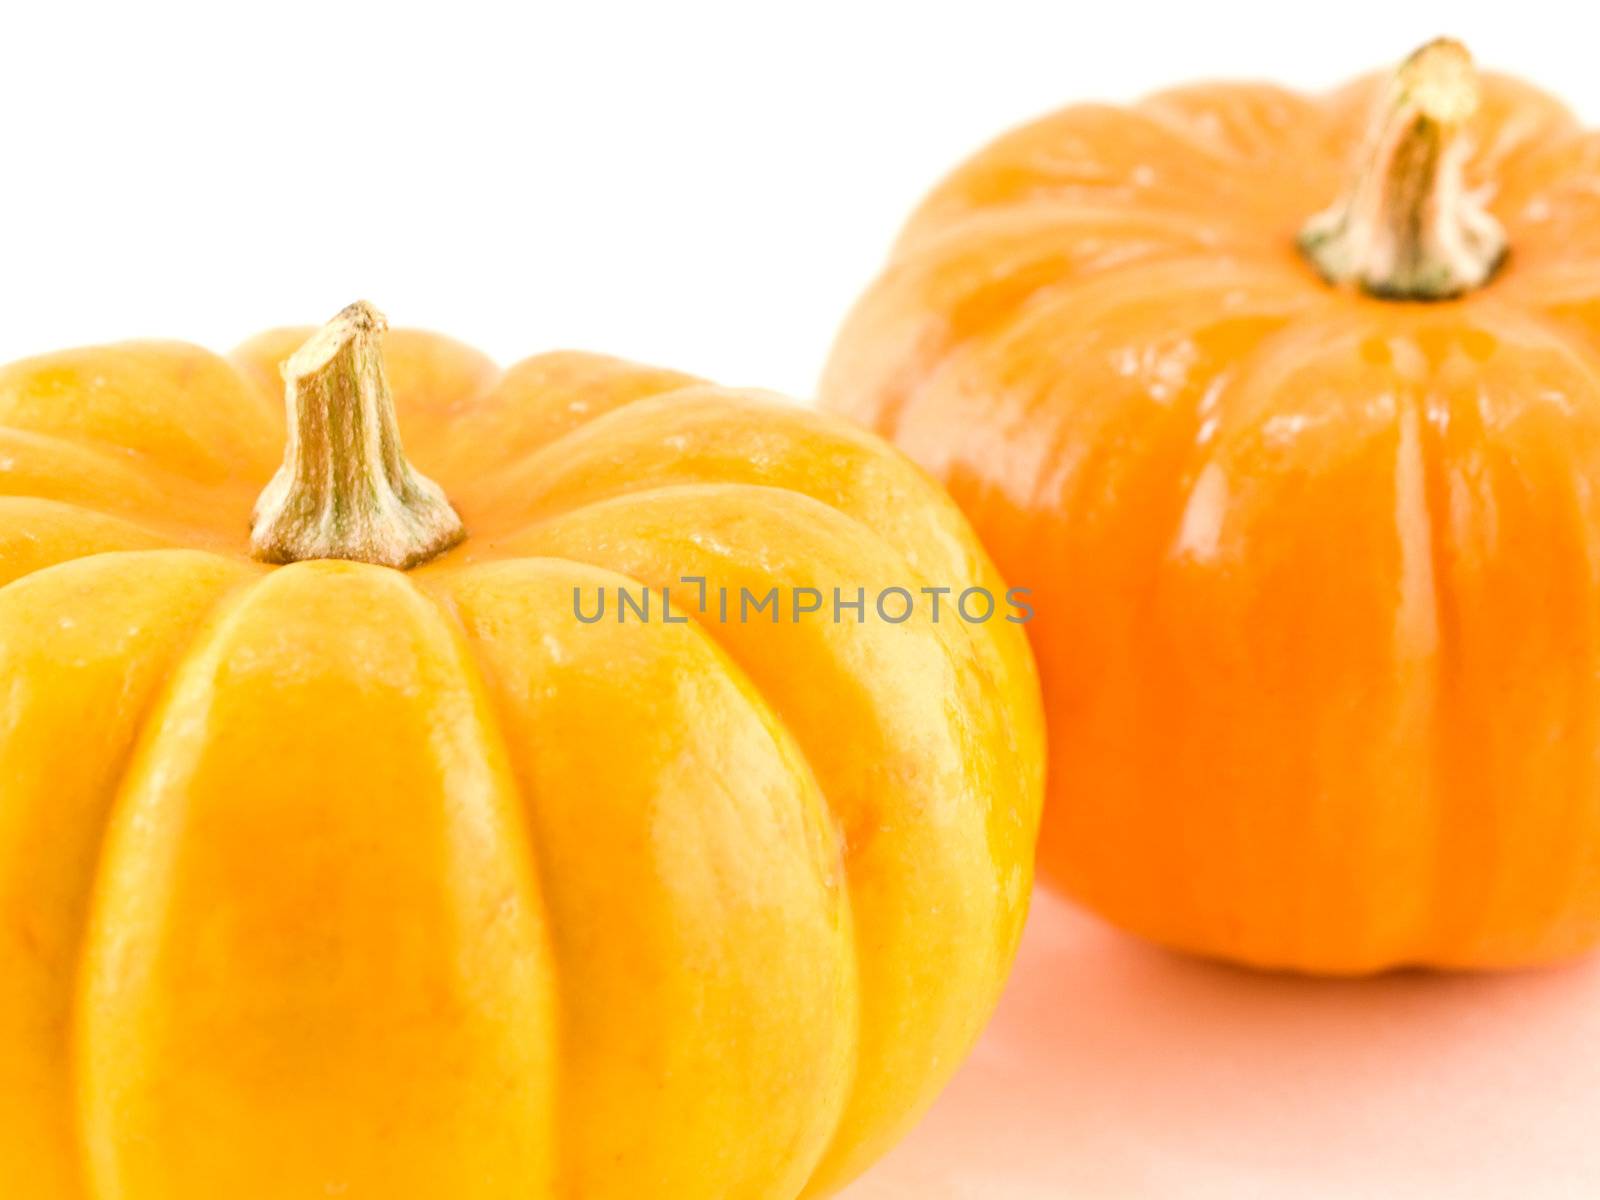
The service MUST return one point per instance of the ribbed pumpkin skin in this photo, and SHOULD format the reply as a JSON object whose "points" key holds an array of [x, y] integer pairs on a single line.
{"points": [[1317, 575], [333, 880]]}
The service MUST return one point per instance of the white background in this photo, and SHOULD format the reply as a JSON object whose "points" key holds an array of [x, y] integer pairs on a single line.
{"points": [[698, 185]]}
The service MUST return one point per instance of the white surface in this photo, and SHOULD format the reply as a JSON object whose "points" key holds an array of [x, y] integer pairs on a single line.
{"points": [[1116, 1071], [698, 185]]}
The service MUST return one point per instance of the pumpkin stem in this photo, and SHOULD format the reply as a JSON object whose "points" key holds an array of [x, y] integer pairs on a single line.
{"points": [[345, 489], [1407, 228]]}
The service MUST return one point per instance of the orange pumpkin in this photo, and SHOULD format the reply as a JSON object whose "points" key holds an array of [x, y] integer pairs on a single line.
{"points": [[337, 879], [1288, 410]]}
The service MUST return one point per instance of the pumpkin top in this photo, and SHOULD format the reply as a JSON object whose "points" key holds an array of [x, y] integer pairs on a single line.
{"points": [[1444, 183], [1192, 232]]}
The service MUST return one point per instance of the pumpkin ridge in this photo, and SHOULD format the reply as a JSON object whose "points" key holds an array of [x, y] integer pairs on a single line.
{"points": [[202, 630], [620, 499], [270, 400], [632, 485], [910, 573], [1156, 107], [1054, 216], [491, 398], [1261, 149], [156, 673], [28, 511], [1017, 168], [966, 655], [436, 591], [873, 496], [1518, 142], [1433, 511], [473, 663], [918, 359], [1174, 886], [1476, 882], [1206, 393], [968, 233], [466, 988], [940, 388], [1564, 295], [844, 1157], [167, 487], [1293, 928], [443, 584], [1582, 357], [529, 459], [206, 386], [1416, 408]]}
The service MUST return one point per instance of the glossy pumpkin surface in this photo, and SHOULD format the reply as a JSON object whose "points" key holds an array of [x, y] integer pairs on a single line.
{"points": [[335, 880], [1317, 573]]}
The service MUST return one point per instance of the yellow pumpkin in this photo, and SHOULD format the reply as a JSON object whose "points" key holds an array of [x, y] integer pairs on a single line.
{"points": [[340, 879]]}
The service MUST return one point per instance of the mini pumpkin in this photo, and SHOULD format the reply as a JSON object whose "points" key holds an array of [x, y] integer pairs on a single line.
{"points": [[1287, 408], [344, 878]]}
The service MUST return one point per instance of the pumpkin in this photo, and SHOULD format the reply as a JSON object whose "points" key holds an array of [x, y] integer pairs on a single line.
{"points": [[1287, 409], [337, 857]]}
